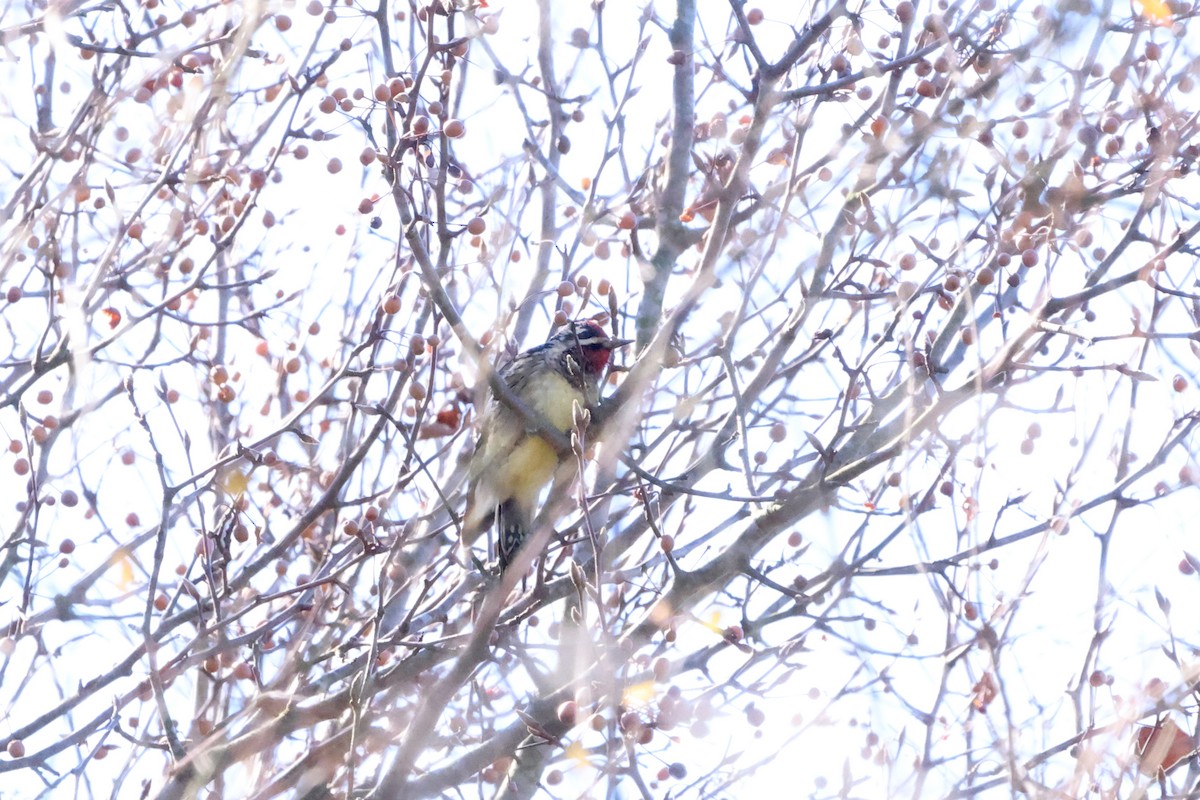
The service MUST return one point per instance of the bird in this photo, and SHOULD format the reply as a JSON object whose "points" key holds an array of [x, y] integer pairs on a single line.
{"points": [[512, 462]]}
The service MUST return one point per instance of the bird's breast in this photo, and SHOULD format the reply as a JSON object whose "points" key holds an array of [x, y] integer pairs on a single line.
{"points": [[513, 462], [554, 397]]}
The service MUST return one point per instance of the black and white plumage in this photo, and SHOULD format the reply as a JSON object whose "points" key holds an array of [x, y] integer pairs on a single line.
{"points": [[512, 464]]}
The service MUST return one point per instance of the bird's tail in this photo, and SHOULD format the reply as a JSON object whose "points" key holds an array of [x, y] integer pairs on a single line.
{"points": [[513, 522]]}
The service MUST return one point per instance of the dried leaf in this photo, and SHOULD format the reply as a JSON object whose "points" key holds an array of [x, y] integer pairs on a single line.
{"points": [[1162, 746], [983, 693], [435, 430]]}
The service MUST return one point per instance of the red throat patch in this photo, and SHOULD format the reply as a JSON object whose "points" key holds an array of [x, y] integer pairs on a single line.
{"points": [[596, 357]]}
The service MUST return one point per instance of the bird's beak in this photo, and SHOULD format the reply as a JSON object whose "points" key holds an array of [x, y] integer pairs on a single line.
{"points": [[613, 344]]}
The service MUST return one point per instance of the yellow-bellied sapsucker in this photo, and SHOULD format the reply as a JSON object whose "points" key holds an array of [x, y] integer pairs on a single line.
{"points": [[512, 462]]}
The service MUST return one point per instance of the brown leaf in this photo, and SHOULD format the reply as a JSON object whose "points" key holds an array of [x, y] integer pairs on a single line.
{"points": [[1162, 746], [435, 430], [983, 693]]}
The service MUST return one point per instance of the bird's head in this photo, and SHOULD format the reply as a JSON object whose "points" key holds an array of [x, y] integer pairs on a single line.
{"points": [[590, 341]]}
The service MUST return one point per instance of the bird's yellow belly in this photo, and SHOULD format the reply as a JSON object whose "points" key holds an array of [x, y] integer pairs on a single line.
{"points": [[529, 465], [517, 463], [528, 468]]}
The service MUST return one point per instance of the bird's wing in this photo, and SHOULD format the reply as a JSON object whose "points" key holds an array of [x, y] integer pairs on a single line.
{"points": [[498, 436]]}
